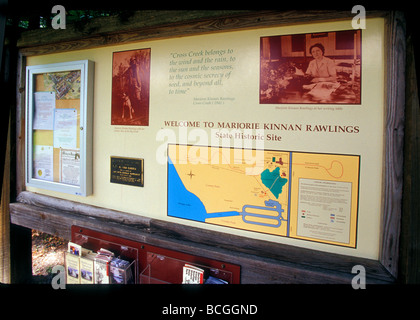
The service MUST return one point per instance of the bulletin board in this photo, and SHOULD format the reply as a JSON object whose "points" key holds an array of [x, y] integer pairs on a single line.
{"points": [[242, 132], [59, 143]]}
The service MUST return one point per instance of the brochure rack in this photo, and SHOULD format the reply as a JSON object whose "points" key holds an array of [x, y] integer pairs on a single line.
{"points": [[83, 269], [95, 241], [152, 264], [122, 274], [163, 269]]}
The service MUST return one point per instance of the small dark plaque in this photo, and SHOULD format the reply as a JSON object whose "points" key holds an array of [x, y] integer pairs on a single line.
{"points": [[127, 171]]}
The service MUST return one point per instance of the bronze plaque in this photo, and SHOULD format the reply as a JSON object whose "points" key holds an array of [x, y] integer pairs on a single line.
{"points": [[127, 171]]}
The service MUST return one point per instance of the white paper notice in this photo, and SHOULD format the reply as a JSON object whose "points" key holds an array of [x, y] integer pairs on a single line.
{"points": [[324, 210], [44, 103], [65, 128], [70, 166], [43, 162]]}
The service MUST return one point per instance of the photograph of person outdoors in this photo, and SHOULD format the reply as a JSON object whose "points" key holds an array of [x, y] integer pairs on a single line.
{"points": [[130, 87], [311, 68]]}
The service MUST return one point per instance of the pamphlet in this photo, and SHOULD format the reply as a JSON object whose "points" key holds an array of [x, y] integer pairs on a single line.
{"points": [[192, 275], [65, 128], [44, 103]]}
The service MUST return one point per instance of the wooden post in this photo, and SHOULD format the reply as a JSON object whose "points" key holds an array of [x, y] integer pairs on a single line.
{"points": [[20, 254], [5, 217], [410, 222], [394, 131], [15, 241]]}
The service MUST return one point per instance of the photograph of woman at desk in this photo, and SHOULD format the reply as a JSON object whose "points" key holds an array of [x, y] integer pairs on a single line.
{"points": [[322, 69], [311, 68]]}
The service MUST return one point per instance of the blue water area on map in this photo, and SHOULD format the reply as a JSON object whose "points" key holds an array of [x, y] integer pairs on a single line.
{"points": [[273, 181], [184, 204]]}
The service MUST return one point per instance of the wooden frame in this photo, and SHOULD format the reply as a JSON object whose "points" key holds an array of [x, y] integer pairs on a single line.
{"points": [[261, 261]]}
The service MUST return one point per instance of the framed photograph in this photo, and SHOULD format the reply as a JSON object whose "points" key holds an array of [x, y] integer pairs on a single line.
{"points": [[59, 126], [311, 68], [130, 87]]}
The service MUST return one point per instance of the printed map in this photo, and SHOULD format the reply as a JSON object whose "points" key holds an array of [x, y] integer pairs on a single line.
{"points": [[246, 190], [66, 85], [252, 190]]}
